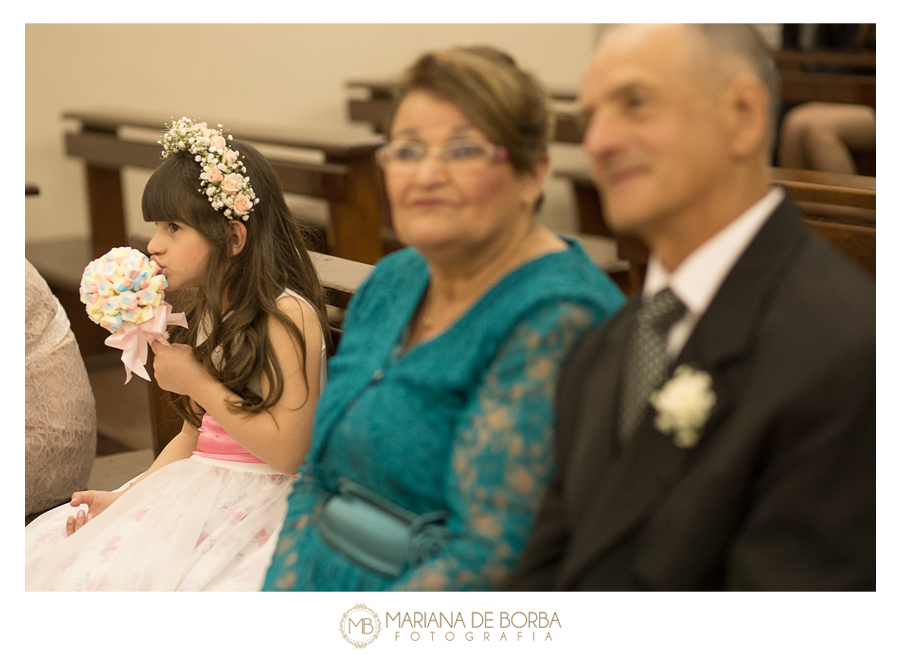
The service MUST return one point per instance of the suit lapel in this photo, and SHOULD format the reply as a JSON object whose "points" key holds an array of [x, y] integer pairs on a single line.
{"points": [[598, 417], [731, 322], [628, 485]]}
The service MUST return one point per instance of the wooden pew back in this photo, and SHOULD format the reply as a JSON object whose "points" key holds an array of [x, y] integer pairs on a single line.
{"points": [[801, 82], [348, 178], [837, 207]]}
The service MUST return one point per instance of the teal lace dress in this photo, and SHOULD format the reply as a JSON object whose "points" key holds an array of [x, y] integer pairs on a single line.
{"points": [[462, 422]]}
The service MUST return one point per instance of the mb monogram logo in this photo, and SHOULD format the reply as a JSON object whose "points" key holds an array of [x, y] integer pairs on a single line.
{"points": [[360, 626]]}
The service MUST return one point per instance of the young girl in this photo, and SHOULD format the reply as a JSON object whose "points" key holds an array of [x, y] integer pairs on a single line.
{"points": [[245, 376]]}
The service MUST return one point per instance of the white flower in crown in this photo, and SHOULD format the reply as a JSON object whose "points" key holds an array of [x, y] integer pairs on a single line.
{"points": [[683, 405], [224, 174]]}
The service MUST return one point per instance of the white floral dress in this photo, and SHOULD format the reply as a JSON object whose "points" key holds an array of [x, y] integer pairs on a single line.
{"points": [[198, 524]]}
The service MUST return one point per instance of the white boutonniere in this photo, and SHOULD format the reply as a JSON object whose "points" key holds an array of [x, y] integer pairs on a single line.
{"points": [[683, 405]]}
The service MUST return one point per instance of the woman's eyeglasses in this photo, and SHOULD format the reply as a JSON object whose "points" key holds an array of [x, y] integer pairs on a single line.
{"points": [[457, 154]]}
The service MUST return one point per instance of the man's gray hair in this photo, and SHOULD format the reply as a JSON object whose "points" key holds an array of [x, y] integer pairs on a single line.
{"points": [[747, 43]]}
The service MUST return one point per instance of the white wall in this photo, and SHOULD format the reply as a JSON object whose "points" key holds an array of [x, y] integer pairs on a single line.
{"points": [[280, 74]]}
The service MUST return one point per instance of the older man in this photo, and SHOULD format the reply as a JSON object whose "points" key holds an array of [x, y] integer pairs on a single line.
{"points": [[719, 433]]}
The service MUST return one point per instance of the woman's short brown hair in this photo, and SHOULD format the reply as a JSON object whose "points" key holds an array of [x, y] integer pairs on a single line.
{"points": [[507, 104]]}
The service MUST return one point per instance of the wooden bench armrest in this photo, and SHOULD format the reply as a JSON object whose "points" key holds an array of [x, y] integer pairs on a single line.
{"points": [[825, 187], [340, 277]]}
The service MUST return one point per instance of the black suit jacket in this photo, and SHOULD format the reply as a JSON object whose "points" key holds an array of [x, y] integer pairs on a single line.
{"points": [[779, 491]]}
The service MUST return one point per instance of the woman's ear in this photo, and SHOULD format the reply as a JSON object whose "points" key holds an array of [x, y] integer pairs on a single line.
{"points": [[534, 186], [238, 236]]}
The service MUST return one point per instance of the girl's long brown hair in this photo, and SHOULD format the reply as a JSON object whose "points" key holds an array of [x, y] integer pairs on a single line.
{"points": [[273, 259]]}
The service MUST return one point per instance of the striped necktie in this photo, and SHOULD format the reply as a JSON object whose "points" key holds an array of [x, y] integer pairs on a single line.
{"points": [[647, 362]]}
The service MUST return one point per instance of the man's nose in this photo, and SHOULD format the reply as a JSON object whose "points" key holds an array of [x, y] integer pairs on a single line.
{"points": [[602, 136]]}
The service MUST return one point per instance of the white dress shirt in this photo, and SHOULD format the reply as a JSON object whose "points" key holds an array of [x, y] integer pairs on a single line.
{"points": [[697, 279]]}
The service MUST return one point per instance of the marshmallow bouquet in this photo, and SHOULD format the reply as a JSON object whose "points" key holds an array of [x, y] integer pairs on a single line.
{"points": [[123, 293]]}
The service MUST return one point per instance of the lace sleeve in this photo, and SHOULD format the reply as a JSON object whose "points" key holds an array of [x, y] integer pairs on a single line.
{"points": [[503, 459], [60, 418]]}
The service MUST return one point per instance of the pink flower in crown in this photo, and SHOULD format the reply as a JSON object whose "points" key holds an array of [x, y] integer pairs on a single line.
{"points": [[204, 130], [218, 142], [242, 204], [232, 183], [214, 175], [230, 157]]}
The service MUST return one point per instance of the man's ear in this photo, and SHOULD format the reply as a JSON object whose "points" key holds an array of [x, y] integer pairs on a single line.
{"points": [[747, 108], [238, 236]]}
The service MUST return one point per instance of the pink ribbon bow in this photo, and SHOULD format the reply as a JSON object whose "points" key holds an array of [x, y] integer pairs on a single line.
{"points": [[133, 339]]}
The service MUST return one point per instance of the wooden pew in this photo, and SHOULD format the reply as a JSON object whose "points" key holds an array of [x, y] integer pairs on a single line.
{"points": [[804, 86], [371, 103], [372, 100], [348, 179], [861, 62], [826, 76], [839, 208]]}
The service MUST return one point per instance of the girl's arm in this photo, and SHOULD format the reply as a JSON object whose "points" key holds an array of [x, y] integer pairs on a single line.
{"points": [[281, 435], [180, 447]]}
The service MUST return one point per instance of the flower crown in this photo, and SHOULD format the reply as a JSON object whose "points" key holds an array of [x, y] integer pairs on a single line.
{"points": [[223, 176]]}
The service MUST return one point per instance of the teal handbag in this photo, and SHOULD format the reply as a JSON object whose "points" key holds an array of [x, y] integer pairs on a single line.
{"points": [[376, 534]]}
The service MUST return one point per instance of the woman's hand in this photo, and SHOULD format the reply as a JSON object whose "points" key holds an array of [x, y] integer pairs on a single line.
{"points": [[97, 501], [175, 367]]}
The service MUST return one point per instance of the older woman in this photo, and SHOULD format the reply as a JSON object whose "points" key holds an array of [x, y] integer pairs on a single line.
{"points": [[432, 441]]}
